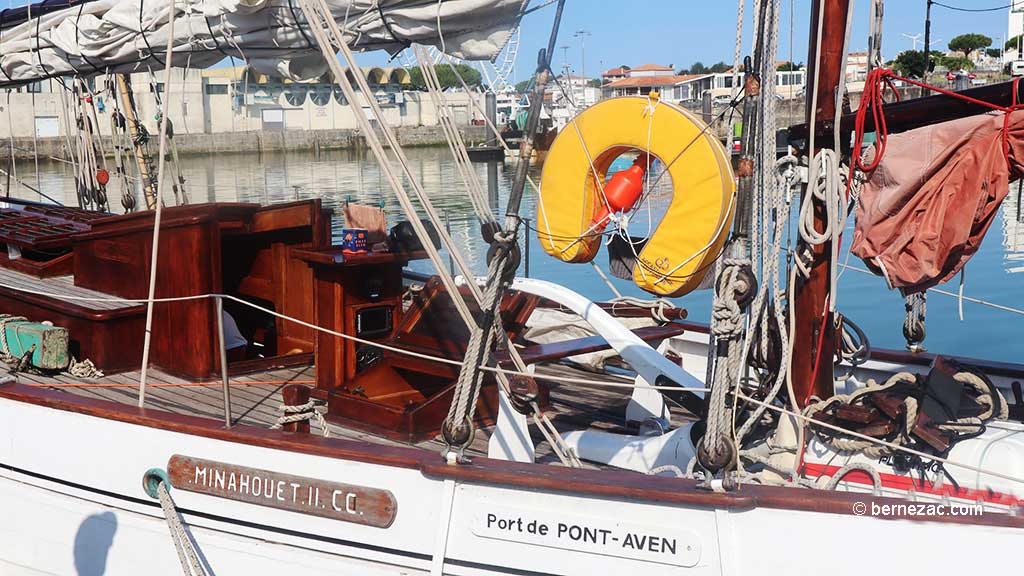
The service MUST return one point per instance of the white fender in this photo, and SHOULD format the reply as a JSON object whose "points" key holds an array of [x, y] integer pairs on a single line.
{"points": [[637, 453]]}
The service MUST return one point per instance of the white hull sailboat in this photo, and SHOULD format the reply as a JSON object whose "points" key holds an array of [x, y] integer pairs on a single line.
{"points": [[771, 441]]}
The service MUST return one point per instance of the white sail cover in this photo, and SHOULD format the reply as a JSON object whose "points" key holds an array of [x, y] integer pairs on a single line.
{"points": [[131, 35]]}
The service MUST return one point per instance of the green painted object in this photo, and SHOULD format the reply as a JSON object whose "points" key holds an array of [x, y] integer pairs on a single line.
{"points": [[50, 342]]}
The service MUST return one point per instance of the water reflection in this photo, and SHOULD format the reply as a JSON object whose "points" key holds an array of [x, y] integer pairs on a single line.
{"points": [[1013, 229], [346, 175]]}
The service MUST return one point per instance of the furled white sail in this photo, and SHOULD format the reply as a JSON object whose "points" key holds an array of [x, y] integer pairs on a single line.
{"points": [[131, 35]]}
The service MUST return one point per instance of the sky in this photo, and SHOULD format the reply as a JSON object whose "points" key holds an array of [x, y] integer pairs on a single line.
{"points": [[680, 32]]}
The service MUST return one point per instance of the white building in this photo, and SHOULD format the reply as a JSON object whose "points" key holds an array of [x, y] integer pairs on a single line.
{"points": [[788, 84], [225, 100], [1015, 25], [643, 80], [857, 66], [578, 90]]}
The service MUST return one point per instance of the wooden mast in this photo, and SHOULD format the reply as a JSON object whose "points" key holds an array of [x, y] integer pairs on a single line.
{"points": [[130, 114], [812, 294]]}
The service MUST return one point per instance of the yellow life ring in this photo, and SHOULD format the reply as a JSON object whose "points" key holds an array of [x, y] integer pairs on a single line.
{"points": [[681, 250]]}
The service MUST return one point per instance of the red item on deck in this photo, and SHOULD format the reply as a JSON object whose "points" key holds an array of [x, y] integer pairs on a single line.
{"points": [[927, 205]]}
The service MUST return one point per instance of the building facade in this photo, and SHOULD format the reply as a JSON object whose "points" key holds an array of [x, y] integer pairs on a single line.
{"points": [[643, 80], [226, 100]]}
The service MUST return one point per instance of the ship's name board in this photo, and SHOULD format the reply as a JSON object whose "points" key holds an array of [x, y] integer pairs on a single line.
{"points": [[592, 535], [357, 504]]}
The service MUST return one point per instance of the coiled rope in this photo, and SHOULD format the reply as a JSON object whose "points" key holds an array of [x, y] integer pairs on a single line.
{"points": [[988, 396], [301, 413], [716, 448]]}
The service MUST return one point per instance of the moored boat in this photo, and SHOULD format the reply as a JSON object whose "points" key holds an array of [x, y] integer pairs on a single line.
{"points": [[425, 424]]}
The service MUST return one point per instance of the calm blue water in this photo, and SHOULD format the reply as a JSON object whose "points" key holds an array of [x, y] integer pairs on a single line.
{"points": [[996, 274]]}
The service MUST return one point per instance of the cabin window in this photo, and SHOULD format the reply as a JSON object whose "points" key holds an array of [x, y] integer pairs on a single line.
{"points": [[216, 89]]}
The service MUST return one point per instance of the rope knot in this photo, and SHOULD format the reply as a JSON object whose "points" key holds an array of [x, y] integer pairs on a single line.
{"points": [[300, 413]]}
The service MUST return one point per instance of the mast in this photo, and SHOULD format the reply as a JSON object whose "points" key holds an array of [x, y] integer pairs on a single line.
{"points": [[927, 40], [131, 115], [812, 295]]}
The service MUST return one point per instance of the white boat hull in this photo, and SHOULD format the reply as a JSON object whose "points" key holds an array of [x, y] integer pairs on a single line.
{"points": [[71, 488]]}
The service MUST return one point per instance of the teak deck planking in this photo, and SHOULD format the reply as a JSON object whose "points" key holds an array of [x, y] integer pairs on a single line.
{"points": [[255, 399]]}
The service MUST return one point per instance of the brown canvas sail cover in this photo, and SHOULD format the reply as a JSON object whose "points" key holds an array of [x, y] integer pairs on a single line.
{"points": [[925, 209]]}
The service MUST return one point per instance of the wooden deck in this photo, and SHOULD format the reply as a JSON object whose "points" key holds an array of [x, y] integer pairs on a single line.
{"points": [[255, 401]]}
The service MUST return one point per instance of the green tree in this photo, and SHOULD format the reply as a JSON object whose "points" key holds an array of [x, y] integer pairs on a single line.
{"points": [[447, 76], [993, 53], [788, 67], [911, 63], [1012, 43], [957, 63], [968, 43], [595, 83], [698, 68], [719, 68], [523, 86]]}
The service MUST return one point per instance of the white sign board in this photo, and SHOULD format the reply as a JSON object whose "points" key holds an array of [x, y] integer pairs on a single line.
{"points": [[593, 535]]}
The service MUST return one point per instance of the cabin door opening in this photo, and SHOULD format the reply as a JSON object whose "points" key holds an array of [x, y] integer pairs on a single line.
{"points": [[260, 267]]}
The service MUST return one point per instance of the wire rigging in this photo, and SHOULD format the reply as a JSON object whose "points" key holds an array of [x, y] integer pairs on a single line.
{"points": [[962, 9]]}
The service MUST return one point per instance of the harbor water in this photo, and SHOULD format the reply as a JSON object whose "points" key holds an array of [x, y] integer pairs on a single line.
{"points": [[995, 275]]}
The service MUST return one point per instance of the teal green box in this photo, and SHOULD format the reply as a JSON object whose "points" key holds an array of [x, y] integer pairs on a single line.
{"points": [[51, 344]]}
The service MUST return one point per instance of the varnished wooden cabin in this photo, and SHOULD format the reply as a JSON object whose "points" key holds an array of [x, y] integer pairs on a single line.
{"points": [[64, 266], [89, 273]]}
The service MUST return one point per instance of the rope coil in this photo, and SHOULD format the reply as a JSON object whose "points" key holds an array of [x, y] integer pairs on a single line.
{"points": [[301, 413]]}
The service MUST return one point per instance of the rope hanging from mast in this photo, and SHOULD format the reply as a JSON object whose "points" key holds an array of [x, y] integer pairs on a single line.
{"points": [[91, 177], [503, 261], [737, 286]]}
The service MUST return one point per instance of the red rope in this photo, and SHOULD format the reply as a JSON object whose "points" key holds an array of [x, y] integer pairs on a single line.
{"points": [[872, 102]]}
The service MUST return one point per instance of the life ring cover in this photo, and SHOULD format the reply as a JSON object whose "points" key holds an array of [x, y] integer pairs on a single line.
{"points": [[690, 236]]}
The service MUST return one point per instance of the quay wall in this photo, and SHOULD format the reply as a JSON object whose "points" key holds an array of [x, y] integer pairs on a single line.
{"points": [[248, 141]]}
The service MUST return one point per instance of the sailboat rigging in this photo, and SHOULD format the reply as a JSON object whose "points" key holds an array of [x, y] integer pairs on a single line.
{"points": [[453, 440]]}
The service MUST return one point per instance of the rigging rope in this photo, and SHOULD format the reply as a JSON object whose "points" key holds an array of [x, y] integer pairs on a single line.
{"points": [[913, 323], [187, 554], [751, 248], [329, 37], [456, 144]]}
